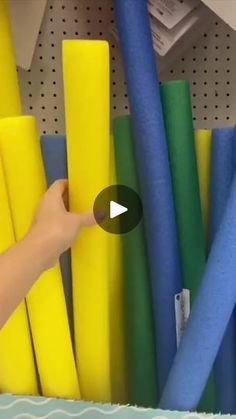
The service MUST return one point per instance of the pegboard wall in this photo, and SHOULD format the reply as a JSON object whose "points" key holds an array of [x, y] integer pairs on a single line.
{"points": [[210, 66]]}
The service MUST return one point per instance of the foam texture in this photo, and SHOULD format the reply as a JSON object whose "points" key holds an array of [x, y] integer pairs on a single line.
{"points": [[86, 85], [140, 340], [223, 168], [17, 369], [10, 103], [177, 108], [203, 143], [117, 322]]}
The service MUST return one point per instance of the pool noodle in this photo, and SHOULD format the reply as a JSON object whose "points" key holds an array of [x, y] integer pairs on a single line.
{"points": [[10, 103], [177, 107], [86, 86], [17, 369], [154, 174], [117, 337], [223, 168], [55, 163], [222, 173], [140, 342], [25, 179], [208, 319], [203, 142]]}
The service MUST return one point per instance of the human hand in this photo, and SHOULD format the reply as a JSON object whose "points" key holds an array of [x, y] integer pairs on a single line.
{"points": [[53, 226]]}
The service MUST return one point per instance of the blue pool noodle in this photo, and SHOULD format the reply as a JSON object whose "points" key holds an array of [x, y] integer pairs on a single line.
{"points": [[208, 320], [223, 167], [222, 171], [55, 163], [154, 173]]}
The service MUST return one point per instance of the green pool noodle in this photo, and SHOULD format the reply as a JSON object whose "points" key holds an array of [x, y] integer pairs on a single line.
{"points": [[180, 137], [177, 108], [140, 344]]}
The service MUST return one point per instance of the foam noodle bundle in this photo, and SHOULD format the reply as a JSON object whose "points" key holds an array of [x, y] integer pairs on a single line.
{"points": [[10, 104], [17, 369], [25, 179], [86, 84], [208, 319]]}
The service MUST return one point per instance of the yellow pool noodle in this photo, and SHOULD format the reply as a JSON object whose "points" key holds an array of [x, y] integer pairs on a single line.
{"points": [[117, 327], [25, 179], [17, 369], [86, 85], [10, 103], [203, 142]]}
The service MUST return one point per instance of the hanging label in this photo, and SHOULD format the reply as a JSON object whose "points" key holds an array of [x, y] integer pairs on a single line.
{"points": [[164, 39], [171, 12]]}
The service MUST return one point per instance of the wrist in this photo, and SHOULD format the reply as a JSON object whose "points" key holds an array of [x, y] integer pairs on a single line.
{"points": [[40, 244]]}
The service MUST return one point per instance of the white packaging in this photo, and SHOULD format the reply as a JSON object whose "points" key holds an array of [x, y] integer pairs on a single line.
{"points": [[182, 35], [171, 12]]}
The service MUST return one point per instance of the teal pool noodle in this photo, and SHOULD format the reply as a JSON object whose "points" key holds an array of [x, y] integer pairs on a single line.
{"points": [[154, 175], [208, 319], [55, 163], [222, 172]]}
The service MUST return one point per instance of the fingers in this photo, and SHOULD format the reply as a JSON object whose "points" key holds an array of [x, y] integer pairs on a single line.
{"points": [[87, 219], [59, 187], [59, 192]]}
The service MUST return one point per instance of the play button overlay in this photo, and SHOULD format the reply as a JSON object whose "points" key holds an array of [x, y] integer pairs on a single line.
{"points": [[118, 209]]}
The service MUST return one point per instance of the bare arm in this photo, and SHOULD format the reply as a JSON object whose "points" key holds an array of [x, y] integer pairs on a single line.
{"points": [[53, 232]]}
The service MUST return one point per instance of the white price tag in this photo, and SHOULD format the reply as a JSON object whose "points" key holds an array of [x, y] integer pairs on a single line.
{"points": [[182, 311]]}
